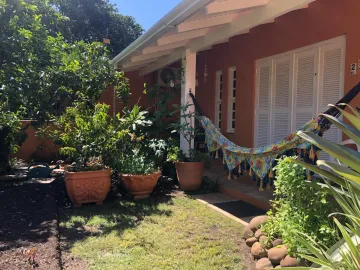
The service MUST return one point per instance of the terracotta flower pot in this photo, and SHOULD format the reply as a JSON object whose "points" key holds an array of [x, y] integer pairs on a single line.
{"points": [[190, 175], [140, 186], [86, 187]]}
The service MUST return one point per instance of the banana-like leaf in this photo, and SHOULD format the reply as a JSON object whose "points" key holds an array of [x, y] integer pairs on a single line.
{"points": [[336, 179], [341, 170], [351, 117], [349, 130], [340, 152], [350, 107]]}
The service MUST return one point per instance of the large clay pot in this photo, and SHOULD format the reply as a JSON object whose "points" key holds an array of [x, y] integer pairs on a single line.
{"points": [[190, 175], [140, 186], [86, 187]]}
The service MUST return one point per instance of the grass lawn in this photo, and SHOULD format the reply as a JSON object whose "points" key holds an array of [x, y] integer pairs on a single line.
{"points": [[158, 233]]}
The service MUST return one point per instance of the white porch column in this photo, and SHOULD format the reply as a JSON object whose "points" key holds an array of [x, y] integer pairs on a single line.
{"points": [[188, 82]]}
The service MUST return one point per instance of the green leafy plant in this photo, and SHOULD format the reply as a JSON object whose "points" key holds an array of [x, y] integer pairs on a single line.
{"points": [[87, 136], [186, 127], [342, 182], [299, 207], [42, 71], [11, 135]]}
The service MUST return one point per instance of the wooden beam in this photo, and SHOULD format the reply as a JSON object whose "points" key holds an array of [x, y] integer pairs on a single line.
{"points": [[229, 5], [183, 36], [142, 57], [250, 20], [206, 21], [165, 61], [140, 63], [169, 46]]}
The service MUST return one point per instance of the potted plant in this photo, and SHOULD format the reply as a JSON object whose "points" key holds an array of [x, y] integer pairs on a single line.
{"points": [[139, 175], [85, 138], [138, 157], [189, 166]]}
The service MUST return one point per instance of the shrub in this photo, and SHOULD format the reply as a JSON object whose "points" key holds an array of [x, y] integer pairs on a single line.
{"points": [[299, 207], [10, 136]]}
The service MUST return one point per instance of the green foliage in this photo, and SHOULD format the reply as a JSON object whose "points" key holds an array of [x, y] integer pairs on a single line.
{"points": [[84, 134], [342, 182], [299, 207], [186, 127], [41, 71], [176, 155], [92, 20], [163, 99], [11, 135]]}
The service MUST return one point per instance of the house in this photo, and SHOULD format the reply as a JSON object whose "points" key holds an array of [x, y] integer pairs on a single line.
{"points": [[259, 69]]}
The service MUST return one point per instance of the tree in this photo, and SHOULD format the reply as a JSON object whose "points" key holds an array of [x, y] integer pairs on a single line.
{"points": [[42, 72], [93, 20]]}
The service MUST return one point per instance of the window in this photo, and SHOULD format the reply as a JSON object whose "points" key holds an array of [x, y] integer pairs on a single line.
{"points": [[232, 99], [218, 98], [292, 88]]}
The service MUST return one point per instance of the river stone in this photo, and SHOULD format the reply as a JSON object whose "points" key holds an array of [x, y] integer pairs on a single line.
{"points": [[259, 233], [251, 241], [258, 250], [265, 241], [277, 242], [289, 261], [263, 264], [256, 222], [247, 233], [276, 254]]}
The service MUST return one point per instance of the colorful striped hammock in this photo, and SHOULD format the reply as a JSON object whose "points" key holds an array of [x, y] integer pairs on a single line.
{"points": [[259, 159]]}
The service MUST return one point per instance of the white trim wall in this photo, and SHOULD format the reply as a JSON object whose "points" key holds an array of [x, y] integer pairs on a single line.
{"points": [[294, 86], [218, 98], [231, 105]]}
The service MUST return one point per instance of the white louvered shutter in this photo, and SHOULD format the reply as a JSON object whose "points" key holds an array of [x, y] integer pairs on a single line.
{"points": [[331, 84], [263, 96], [305, 87], [281, 126]]}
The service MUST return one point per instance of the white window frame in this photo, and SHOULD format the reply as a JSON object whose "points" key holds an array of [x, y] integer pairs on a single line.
{"points": [[231, 100], [272, 59], [219, 91]]}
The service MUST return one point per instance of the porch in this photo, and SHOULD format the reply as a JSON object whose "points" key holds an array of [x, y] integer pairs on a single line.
{"points": [[242, 188]]}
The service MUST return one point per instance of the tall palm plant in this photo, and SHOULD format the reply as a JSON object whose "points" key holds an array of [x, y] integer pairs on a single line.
{"points": [[343, 182]]}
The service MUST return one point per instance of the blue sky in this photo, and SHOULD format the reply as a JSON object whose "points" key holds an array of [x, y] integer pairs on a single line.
{"points": [[145, 12]]}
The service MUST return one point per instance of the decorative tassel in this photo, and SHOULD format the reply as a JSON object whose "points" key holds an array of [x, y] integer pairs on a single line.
{"points": [[268, 186], [312, 154], [271, 173], [299, 151], [250, 172], [217, 154], [318, 154], [309, 177], [261, 185], [239, 168], [229, 176]]}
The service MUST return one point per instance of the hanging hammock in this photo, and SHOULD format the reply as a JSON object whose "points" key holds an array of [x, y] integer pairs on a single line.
{"points": [[261, 159]]}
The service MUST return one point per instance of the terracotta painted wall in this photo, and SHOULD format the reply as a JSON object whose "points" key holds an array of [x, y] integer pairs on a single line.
{"points": [[323, 20], [35, 148]]}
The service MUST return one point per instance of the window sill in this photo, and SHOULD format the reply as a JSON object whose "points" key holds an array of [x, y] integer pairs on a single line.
{"points": [[231, 131]]}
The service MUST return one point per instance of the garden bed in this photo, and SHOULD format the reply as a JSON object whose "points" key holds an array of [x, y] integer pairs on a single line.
{"points": [[28, 224]]}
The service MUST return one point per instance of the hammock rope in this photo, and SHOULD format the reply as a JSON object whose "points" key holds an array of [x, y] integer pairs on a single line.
{"points": [[262, 159]]}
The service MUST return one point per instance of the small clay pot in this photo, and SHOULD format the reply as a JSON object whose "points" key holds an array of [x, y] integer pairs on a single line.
{"points": [[87, 187], [190, 175], [140, 186]]}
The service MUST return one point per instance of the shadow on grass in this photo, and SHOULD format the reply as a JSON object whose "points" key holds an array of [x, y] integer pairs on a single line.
{"points": [[77, 224]]}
